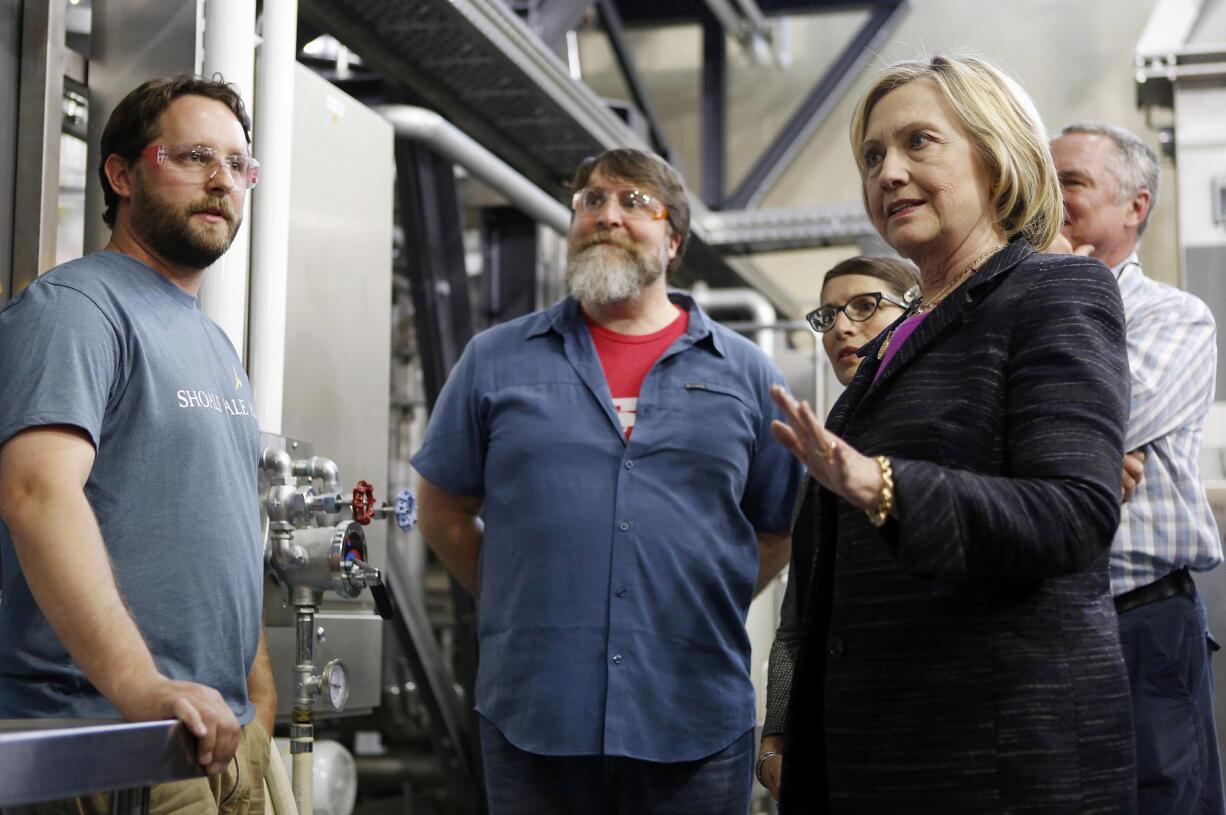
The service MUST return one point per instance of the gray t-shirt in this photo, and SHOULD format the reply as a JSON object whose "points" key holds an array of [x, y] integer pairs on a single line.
{"points": [[108, 345]]}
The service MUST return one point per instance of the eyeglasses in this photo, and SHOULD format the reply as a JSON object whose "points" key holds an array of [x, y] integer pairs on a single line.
{"points": [[858, 309], [634, 204], [198, 162]]}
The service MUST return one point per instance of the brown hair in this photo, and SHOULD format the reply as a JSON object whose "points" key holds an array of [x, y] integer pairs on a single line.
{"points": [[645, 170], [134, 122], [898, 275]]}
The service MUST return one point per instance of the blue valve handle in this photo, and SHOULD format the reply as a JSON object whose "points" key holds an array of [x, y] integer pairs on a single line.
{"points": [[406, 509]]}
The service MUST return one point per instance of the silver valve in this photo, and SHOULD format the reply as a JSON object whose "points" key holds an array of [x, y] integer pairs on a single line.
{"points": [[360, 574], [328, 502]]}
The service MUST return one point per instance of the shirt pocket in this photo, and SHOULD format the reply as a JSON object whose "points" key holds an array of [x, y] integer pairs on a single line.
{"points": [[715, 424]]}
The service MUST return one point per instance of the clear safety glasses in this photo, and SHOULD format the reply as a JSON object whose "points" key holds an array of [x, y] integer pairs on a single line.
{"points": [[634, 204], [198, 162]]}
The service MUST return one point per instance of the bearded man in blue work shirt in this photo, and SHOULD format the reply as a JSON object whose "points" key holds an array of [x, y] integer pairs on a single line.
{"points": [[619, 444]]}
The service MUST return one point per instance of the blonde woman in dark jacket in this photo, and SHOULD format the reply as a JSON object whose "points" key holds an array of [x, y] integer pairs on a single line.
{"points": [[960, 652]]}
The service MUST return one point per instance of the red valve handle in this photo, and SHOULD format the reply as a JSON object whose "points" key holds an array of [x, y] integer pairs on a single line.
{"points": [[363, 502]]}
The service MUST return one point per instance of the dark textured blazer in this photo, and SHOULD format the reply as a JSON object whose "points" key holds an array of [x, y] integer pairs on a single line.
{"points": [[964, 658]]}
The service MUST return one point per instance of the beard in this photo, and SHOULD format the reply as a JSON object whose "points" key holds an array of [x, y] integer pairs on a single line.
{"points": [[170, 231], [607, 267]]}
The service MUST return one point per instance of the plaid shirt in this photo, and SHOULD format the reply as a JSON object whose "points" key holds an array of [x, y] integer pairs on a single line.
{"points": [[1172, 355]]}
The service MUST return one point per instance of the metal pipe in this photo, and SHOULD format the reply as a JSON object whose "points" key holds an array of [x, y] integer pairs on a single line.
{"points": [[745, 300], [322, 468], [229, 50], [394, 769], [40, 119], [274, 130], [441, 136], [278, 462], [328, 472], [304, 667], [302, 729]]}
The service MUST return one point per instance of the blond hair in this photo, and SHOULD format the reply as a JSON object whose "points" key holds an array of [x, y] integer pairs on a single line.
{"points": [[1004, 126]]}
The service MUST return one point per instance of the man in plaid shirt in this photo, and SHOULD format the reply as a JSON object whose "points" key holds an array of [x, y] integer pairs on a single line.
{"points": [[1110, 182]]}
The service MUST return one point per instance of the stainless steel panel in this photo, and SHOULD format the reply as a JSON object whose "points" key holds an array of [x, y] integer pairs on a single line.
{"points": [[39, 120], [1200, 157], [49, 759], [10, 62], [131, 41], [338, 298], [357, 639]]}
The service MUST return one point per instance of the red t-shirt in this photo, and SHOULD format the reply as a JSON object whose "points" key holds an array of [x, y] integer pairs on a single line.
{"points": [[626, 359]]}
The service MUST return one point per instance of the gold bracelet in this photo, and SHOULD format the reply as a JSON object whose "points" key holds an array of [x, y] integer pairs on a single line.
{"points": [[880, 512]]}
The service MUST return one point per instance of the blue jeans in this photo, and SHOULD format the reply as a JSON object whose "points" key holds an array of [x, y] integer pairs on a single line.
{"points": [[522, 783], [1166, 647]]}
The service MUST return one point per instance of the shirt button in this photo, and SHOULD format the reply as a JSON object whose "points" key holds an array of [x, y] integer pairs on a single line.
{"points": [[624, 526], [629, 465], [617, 659], [835, 647], [621, 592]]}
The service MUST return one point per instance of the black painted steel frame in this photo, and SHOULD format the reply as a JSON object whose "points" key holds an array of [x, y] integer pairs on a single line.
{"points": [[509, 238], [714, 112], [611, 18], [430, 217], [815, 106], [434, 241]]}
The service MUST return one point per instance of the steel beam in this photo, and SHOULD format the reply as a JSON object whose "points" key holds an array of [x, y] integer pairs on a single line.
{"points": [[39, 120], [743, 232], [714, 112], [10, 65], [553, 18], [480, 66], [430, 216], [612, 21], [815, 107], [510, 248]]}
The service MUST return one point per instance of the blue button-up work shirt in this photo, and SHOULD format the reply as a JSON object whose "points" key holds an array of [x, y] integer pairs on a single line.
{"points": [[615, 573]]}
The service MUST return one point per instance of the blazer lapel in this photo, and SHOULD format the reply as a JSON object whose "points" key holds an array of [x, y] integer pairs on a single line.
{"points": [[948, 313]]}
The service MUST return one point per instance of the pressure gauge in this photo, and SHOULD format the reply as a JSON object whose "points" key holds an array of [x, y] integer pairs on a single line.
{"points": [[335, 684]]}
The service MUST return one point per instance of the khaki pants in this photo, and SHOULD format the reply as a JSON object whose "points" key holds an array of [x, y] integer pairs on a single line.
{"points": [[237, 791]]}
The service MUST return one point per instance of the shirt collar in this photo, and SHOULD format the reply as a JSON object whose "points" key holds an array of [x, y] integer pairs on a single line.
{"points": [[565, 319], [1128, 272]]}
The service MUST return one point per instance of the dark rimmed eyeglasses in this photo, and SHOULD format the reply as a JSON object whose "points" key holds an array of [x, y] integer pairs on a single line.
{"points": [[858, 309]]}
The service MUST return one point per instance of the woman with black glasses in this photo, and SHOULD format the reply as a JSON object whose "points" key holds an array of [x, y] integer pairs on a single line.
{"points": [[860, 298]]}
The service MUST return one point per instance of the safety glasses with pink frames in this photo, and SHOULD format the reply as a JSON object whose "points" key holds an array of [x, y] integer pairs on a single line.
{"points": [[199, 162]]}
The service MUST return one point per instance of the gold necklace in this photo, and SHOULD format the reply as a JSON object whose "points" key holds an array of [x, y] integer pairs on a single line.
{"points": [[922, 306], [926, 306]]}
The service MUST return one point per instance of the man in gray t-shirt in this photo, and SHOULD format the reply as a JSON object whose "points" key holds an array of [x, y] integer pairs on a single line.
{"points": [[130, 543]]}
